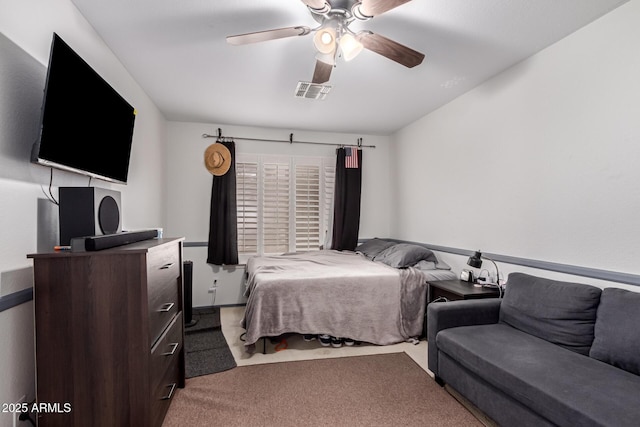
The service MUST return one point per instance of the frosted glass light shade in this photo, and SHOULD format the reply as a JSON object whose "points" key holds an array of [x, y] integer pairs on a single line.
{"points": [[325, 40], [350, 47]]}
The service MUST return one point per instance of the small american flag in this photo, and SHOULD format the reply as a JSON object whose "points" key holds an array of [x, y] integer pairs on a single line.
{"points": [[351, 157]]}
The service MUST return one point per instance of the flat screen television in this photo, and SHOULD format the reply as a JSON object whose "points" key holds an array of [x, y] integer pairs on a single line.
{"points": [[86, 126]]}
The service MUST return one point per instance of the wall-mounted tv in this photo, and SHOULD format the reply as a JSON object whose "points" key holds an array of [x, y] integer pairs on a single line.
{"points": [[86, 126]]}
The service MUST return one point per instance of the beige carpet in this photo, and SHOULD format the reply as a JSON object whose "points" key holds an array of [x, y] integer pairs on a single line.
{"points": [[376, 390]]}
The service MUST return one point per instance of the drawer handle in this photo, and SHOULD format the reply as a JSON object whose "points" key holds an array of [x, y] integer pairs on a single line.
{"points": [[174, 347], [167, 266], [168, 396], [166, 307]]}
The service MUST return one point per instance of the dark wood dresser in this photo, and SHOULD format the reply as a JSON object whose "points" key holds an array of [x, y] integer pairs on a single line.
{"points": [[109, 334]]}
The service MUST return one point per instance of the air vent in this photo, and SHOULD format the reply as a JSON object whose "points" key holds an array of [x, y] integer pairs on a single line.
{"points": [[312, 90]]}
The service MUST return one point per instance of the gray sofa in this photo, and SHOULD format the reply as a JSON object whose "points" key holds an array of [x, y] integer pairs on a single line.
{"points": [[548, 353]]}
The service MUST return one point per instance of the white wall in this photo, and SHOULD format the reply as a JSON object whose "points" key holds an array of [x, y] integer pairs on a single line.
{"points": [[539, 162], [28, 222], [188, 190]]}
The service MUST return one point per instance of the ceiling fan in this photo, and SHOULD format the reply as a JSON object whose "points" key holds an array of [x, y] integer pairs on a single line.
{"points": [[333, 37]]}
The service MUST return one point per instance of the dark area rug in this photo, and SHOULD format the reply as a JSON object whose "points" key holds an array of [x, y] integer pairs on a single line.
{"points": [[206, 350]]}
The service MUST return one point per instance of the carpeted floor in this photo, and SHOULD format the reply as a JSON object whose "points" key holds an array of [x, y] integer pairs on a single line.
{"points": [[377, 390], [206, 350]]}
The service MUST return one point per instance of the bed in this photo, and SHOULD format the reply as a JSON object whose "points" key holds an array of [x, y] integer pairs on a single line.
{"points": [[376, 294]]}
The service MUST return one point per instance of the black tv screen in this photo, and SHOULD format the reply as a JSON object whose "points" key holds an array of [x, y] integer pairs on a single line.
{"points": [[87, 127]]}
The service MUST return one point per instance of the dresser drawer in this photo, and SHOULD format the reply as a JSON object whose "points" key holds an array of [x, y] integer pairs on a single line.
{"points": [[163, 393], [163, 264], [164, 304], [166, 352]]}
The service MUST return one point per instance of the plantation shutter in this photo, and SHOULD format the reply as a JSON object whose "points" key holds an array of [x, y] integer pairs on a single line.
{"points": [[275, 207], [247, 202], [327, 202], [307, 207]]}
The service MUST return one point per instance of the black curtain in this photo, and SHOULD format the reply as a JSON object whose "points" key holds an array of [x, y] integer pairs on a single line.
{"points": [[346, 211], [223, 226]]}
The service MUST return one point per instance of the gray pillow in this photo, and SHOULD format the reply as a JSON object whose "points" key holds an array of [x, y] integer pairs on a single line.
{"points": [[403, 255], [373, 247], [617, 337], [560, 312]]}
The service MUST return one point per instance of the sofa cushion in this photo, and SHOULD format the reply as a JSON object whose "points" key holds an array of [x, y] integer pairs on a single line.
{"points": [[562, 313], [617, 333], [562, 386]]}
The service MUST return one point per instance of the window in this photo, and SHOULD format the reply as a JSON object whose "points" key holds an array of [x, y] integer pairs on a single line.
{"points": [[285, 204]]}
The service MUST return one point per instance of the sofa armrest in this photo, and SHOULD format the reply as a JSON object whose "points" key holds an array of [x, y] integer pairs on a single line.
{"points": [[452, 314]]}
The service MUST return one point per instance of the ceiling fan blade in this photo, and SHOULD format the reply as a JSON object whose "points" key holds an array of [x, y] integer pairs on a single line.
{"points": [[373, 8], [390, 49], [322, 72], [261, 36]]}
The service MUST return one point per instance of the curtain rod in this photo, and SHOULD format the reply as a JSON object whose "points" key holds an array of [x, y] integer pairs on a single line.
{"points": [[290, 140]]}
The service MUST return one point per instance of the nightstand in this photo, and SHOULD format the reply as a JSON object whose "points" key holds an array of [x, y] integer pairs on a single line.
{"points": [[452, 290], [457, 289]]}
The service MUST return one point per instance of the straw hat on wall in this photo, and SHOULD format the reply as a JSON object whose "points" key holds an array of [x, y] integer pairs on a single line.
{"points": [[217, 159]]}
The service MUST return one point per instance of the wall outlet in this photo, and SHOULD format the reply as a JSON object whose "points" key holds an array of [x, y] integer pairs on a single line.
{"points": [[213, 288]]}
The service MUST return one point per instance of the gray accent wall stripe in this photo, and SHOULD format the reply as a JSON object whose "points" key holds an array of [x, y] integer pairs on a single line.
{"points": [[15, 298], [195, 244], [594, 273]]}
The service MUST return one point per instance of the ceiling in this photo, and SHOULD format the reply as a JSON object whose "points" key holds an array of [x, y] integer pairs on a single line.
{"points": [[177, 52]]}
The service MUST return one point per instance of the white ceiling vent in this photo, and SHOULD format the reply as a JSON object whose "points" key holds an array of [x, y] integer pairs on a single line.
{"points": [[312, 90]]}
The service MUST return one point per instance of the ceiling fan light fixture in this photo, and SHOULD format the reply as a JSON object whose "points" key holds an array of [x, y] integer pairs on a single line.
{"points": [[325, 40], [350, 46]]}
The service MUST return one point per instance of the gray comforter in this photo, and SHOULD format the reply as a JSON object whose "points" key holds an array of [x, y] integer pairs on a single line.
{"points": [[330, 292]]}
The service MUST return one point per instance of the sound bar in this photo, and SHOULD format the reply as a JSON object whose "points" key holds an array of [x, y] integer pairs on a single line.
{"points": [[98, 243]]}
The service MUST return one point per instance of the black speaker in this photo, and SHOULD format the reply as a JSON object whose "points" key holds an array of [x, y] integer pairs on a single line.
{"points": [[98, 243], [188, 293], [88, 211]]}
